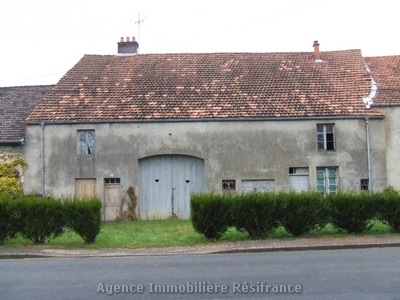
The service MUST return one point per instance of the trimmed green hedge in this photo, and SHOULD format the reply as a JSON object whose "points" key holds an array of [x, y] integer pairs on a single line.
{"points": [[7, 221], [40, 219], [261, 213], [388, 208], [351, 212], [302, 212], [257, 213], [84, 217], [211, 214]]}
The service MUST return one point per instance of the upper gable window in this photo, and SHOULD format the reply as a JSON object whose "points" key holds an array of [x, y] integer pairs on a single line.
{"points": [[86, 140], [326, 137]]}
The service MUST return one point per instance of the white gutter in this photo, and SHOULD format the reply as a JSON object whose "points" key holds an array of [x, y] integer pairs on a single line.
{"points": [[369, 100]]}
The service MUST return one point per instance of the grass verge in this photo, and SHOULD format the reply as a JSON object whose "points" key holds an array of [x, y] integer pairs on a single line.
{"points": [[174, 233]]}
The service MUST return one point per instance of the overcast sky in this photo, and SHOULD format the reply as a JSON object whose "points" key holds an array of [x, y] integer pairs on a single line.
{"points": [[42, 39]]}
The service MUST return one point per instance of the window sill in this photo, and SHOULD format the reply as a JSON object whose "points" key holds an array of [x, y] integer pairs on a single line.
{"points": [[86, 157]]}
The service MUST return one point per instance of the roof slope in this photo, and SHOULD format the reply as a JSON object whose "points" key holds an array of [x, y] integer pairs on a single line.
{"points": [[386, 72], [209, 86], [16, 103]]}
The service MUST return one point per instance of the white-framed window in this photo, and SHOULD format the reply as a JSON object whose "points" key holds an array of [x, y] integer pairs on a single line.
{"points": [[86, 142], [326, 137], [327, 180]]}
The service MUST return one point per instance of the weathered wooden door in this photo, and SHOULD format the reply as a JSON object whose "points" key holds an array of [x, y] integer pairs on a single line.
{"points": [[166, 182], [112, 201], [85, 188]]}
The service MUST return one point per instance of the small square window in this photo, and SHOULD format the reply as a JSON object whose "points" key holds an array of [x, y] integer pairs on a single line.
{"points": [[228, 185], [364, 184], [86, 140]]}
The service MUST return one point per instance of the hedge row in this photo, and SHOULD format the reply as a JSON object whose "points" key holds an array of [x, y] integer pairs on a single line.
{"points": [[261, 213], [40, 219]]}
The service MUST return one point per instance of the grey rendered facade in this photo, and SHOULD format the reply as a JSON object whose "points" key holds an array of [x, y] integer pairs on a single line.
{"points": [[231, 150]]}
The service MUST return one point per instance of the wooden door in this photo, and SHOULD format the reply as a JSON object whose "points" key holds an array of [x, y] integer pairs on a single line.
{"points": [[112, 201], [85, 188]]}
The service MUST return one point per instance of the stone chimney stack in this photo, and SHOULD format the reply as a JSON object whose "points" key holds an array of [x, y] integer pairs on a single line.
{"points": [[317, 54], [128, 47]]}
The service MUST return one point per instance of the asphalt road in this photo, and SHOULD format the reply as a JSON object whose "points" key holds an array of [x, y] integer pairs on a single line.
{"points": [[330, 274]]}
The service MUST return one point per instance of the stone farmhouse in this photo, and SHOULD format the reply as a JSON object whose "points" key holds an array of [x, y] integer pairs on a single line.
{"points": [[169, 125]]}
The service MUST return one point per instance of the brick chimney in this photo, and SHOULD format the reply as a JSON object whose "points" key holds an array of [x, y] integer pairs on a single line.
{"points": [[317, 54], [128, 47]]}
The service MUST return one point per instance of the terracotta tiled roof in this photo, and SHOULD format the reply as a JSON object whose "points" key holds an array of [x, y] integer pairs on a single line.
{"points": [[386, 72], [209, 86], [16, 103]]}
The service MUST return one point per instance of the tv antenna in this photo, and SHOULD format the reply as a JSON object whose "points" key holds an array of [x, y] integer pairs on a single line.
{"points": [[138, 22]]}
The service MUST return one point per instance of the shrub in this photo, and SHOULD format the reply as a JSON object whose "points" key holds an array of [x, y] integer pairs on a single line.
{"points": [[257, 213], [211, 214], [9, 174], [302, 212], [10, 185], [39, 219], [388, 207], [351, 212], [84, 217], [7, 221], [130, 214]]}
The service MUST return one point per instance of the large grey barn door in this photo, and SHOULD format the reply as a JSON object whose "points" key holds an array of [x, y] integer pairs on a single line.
{"points": [[166, 182]]}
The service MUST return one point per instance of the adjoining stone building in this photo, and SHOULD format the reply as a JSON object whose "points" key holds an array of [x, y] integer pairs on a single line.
{"points": [[16, 103], [386, 72], [172, 124]]}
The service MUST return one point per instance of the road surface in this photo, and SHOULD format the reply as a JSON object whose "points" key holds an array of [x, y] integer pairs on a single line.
{"points": [[329, 274]]}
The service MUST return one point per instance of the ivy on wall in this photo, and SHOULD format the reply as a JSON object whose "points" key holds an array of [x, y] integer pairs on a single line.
{"points": [[10, 174]]}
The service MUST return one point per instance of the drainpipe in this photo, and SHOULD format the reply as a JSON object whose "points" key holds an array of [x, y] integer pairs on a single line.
{"points": [[369, 101], [42, 156], [368, 155]]}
